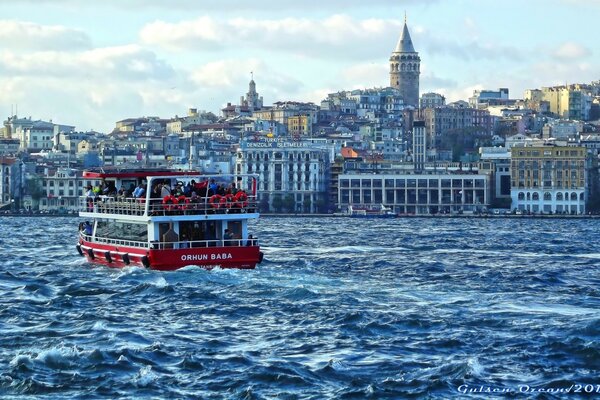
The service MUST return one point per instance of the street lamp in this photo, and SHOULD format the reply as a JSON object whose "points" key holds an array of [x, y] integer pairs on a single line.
{"points": [[12, 205]]}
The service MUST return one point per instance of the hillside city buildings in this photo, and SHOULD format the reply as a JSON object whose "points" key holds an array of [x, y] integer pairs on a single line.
{"points": [[385, 146]]}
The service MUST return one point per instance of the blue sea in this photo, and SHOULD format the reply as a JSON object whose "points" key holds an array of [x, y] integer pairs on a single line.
{"points": [[340, 309]]}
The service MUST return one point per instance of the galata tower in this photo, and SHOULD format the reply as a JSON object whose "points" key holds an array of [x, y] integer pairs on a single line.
{"points": [[405, 68]]}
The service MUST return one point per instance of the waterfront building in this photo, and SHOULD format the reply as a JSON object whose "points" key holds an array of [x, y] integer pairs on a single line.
{"points": [[293, 174], [489, 97], [370, 102], [549, 179], [432, 100], [419, 145], [9, 146], [142, 125], [11, 181], [455, 119], [178, 124], [562, 129], [495, 161], [568, 102], [405, 68], [280, 112], [407, 192]]}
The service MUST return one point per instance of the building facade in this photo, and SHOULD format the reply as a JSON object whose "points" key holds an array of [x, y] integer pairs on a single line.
{"points": [[422, 194], [432, 100], [293, 175], [405, 69], [549, 179]]}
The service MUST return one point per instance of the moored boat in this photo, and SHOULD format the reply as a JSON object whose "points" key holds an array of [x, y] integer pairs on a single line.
{"points": [[169, 219], [380, 211]]}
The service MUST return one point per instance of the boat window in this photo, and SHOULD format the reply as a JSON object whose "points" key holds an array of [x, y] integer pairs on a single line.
{"points": [[122, 230], [235, 227]]}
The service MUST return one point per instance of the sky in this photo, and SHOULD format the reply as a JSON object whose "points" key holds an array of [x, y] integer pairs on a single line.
{"points": [[93, 63]]}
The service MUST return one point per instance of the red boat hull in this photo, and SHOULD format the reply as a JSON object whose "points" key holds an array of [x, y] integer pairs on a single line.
{"points": [[171, 259]]}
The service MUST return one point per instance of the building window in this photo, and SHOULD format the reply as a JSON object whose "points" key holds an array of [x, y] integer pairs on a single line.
{"points": [[559, 196], [547, 196]]}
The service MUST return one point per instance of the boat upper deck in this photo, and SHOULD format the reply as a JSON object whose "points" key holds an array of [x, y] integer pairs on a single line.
{"points": [[174, 195]]}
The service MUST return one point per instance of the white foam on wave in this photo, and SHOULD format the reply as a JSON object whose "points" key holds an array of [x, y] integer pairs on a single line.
{"points": [[99, 326], [475, 367], [145, 376], [58, 355], [160, 282]]}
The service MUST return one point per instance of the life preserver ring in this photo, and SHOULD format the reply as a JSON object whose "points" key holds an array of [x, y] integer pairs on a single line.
{"points": [[168, 202], [227, 201], [183, 201], [241, 199], [215, 201]]}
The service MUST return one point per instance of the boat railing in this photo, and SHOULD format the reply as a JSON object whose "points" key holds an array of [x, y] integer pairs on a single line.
{"points": [[187, 244], [112, 241], [172, 206]]}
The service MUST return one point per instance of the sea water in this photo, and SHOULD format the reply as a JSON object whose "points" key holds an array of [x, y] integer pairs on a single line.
{"points": [[339, 309]]}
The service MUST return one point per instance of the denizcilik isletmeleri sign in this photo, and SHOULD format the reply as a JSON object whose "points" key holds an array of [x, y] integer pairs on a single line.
{"points": [[268, 143]]}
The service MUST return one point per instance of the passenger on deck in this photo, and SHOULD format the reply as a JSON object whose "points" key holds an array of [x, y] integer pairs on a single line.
{"points": [[90, 198], [212, 187], [187, 189], [165, 190], [140, 191], [227, 236], [87, 228], [156, 191], [178, 191], [122, 193], [130, 190], [194, 198]]}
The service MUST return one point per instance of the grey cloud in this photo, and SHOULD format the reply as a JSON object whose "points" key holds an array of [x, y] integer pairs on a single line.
{"points": [[238, 5], [124, 63], [29, 36]]}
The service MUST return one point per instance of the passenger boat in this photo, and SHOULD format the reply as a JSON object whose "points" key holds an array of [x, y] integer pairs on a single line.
{"points": [[380, 211], [182, 219]]}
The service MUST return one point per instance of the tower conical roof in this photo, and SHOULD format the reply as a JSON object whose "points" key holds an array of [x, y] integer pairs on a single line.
{"points": [[404, 44]]}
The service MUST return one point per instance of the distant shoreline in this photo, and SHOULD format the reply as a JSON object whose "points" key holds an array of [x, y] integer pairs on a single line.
{"points": [[537, 216], [299, 215]]}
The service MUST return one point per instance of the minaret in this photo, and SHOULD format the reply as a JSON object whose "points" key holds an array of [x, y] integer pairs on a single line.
{"points": [[405, 67], [253, 101]]}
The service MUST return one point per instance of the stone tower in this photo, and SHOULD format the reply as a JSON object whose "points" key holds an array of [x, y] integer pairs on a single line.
{"points": [[405, 68], [252, 100]]}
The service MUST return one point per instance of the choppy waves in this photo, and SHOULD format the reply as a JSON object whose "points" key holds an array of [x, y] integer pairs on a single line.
{"points": [[338, 309]]}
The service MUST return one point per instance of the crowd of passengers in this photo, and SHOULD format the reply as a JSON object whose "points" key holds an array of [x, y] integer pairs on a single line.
{"points": [[162, 190]]}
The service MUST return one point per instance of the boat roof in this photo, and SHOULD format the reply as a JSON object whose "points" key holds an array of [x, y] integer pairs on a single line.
{"points": [[135, 173]]}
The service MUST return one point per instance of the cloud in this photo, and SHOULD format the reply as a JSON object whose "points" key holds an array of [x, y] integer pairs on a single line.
{"points": [[339, 37], [468, 49], [29, 36], [218, 5], [111, 63], [571, 50], [332, 37]]}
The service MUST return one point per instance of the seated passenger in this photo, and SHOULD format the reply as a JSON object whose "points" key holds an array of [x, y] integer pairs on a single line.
{"points": [[227, 236]]}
